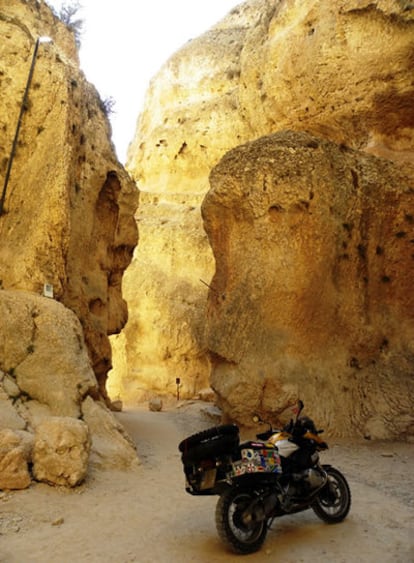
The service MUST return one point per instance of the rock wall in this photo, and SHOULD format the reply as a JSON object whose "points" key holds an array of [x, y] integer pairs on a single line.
{"points": [[312, 292], [190, 119], [69, 204], [341, 71], [67, 225], [164, 337]]}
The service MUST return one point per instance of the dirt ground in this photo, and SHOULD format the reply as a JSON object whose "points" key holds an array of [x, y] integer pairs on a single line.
{"points": [[146, 516]]}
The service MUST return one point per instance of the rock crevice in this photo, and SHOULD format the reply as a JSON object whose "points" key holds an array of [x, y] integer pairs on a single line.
{"points": [[340, 71]]}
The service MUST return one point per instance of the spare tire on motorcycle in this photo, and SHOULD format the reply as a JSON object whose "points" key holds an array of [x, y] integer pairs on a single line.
{"points": [[212, 442]]}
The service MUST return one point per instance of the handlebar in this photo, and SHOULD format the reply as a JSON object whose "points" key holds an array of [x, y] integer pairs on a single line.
{"points": [[266, 435], [297, 426]]}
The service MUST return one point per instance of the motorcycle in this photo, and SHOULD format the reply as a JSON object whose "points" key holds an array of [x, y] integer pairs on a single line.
{"points": [[259, 480]]}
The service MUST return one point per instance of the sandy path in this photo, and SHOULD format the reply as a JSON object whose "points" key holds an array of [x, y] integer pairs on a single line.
{"points": [[146, 516]]}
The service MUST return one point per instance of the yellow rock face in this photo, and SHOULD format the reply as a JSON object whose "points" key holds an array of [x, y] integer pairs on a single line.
{"points": [[67, 230], [340, 70], [68, 207], [312, 293]]}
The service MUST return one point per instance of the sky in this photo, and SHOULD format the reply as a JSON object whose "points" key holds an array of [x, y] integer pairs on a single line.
{"points": [[125, 42]]}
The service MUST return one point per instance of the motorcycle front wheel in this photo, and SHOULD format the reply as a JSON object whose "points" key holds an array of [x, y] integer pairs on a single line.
{"points": [[237, 531], [334, 500]]}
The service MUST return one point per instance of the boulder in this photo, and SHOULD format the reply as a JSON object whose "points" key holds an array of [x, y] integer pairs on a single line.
{"points": [[49, 374], [312, 296], [48, 362], [61, 451], [15, 455], [111, 446], [155, 404]]}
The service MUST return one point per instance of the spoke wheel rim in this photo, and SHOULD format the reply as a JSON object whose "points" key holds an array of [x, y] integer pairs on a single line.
{"points": [[238, 527]]}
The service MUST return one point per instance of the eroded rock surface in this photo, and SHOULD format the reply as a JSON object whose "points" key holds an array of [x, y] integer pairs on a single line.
{"points": [[67, 230], [15, 457], [43, 355], [111, 445], [61, 451], [312, 293], [47, 382], [340, 70], [69, 206]]}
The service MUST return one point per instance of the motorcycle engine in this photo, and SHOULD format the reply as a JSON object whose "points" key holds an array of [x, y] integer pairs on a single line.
{"points": [[309, 479]]}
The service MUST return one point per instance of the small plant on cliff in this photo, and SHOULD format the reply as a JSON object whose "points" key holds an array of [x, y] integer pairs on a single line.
{"points": [[108, 105], [67, 14]]}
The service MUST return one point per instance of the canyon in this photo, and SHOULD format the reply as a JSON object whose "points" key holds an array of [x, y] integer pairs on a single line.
{"points": [[271, 180], [310, 243]]}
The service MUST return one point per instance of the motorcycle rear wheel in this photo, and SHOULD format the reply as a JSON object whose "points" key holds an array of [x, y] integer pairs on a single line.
{"points": [[238, 536], [334, 500]]}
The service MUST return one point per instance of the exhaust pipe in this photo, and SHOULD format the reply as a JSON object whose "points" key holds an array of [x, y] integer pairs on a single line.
{"points": [[259, 509]]}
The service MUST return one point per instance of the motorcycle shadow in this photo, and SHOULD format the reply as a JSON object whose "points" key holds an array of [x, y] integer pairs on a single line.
{"points": [[300, 537], [301, 534]]}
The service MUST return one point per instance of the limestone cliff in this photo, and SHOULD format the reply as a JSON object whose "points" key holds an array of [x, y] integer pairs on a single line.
{"points": [[312, 293], [66, 224], [339, 70], [68, 211]]}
